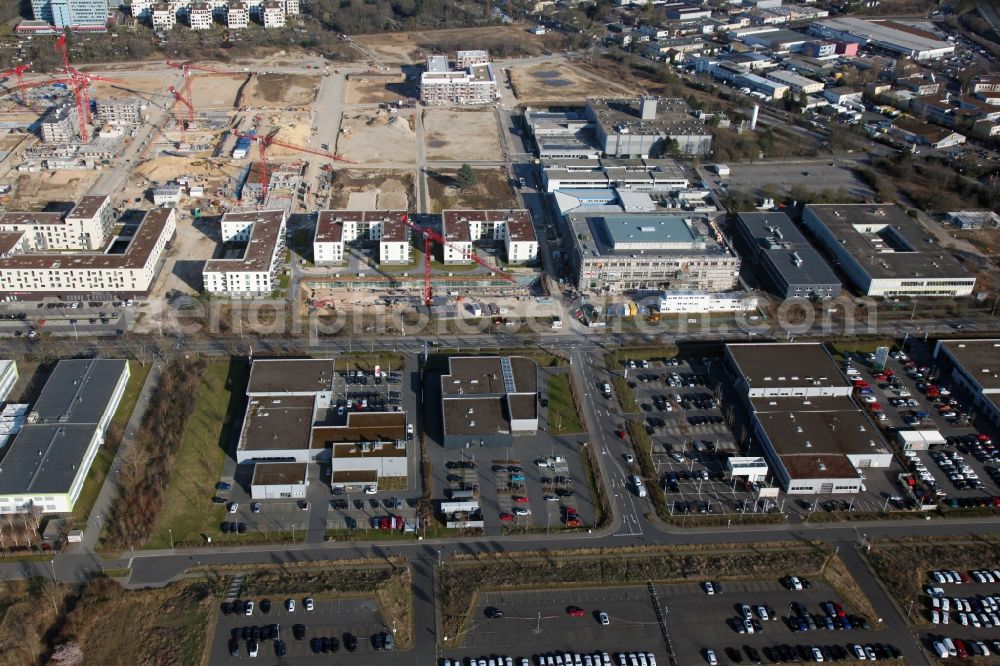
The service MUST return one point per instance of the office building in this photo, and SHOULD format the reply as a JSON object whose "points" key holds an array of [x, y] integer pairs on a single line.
{"points": [[257, 240], [655, 176], [163, 16], [93, 276], [299, 413], [465, 228], [625, 252], [647, 127], [488, 400], [72, 14], [886, 253], [793, 267], [45, 467], [797, 84]]}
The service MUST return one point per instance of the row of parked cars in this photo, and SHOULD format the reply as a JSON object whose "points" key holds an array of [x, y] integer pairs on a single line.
{"points": [[559, 659], [945, 647], [784, 653], [942, 576]]}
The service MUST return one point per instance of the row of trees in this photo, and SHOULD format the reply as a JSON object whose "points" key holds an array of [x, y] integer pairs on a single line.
{"points": [[147, 464]]}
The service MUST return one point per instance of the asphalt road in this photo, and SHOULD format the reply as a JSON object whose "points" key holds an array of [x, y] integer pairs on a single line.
{"points": [[628, 527]]}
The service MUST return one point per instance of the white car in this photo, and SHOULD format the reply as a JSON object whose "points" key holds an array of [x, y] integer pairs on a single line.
{"points": [[795, 583], [308, 603], [520, 511], [762, 613], [249, 608], [290, 605], [710, 658], [370, 490], [252, 648], [709, 587], [234, 507], [603, 618]]}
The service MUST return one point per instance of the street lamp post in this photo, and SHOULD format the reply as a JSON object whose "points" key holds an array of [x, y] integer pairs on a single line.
{"points": [[171, 532]]}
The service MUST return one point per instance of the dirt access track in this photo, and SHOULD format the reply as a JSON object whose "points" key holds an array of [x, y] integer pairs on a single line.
{"points": [[378, 137], [559, 83], [461, 135]]}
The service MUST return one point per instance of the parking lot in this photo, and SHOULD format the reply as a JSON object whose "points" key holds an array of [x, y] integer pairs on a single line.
{"points": [[538, 622], [698, 622], [329, 619], [969, 611], [961, 468]]}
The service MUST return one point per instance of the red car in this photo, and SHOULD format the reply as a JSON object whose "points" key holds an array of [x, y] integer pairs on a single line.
{"points": [[620, 433], [574, 611], [960, 648], [520, 500], [383, 523], [506, 517]]}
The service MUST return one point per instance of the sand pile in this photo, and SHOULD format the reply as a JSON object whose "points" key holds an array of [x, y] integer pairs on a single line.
{"points": [[163, 169]]}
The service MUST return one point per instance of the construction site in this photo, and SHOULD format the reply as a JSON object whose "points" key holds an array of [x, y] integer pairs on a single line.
{"points": [[300, 136]]}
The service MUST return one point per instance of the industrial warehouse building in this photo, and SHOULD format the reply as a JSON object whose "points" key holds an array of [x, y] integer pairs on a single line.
{"points": [[812, 432], [297, 414], [633, 251], [886, 253], [8, 378], [888, 36], [279, 480], [643, 127], [792, 266], [45, 467], [975, 366], [488, 400]]}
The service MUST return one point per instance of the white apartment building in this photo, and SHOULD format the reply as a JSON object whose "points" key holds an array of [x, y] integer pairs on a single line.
{"points": [[474, 85], [253, 273], [273, 14], [466, 59], [122, 111], [163, 16], [336, 228], [141, 9], [200, 16], [463, 228], [291, 7], [60, 125], [84, 227], [237, 16], [89, 275]]}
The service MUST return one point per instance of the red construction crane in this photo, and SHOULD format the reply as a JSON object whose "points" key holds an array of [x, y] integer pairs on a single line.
{"points": [[264, 141], [185, 95], [431, 235], [18, 72], [81, 86], [183, 122]]}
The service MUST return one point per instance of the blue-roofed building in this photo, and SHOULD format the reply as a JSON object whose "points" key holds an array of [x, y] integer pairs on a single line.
{"points": [[620, 252]]}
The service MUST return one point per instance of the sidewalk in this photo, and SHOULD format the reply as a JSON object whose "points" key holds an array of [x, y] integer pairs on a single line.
{"points": [[110, 488]]}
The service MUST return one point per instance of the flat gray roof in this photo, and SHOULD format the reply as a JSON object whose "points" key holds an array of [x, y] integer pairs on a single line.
{"points": [[46, 455], [78, 391], [979, 358], [277, 423], [804, 426], [288, 376], [786, 364], [775, 236], [278, 473], [484, 375], [886, 242], [681, 235]]}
